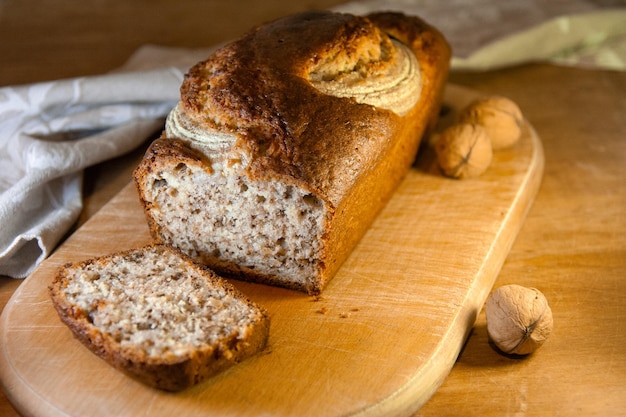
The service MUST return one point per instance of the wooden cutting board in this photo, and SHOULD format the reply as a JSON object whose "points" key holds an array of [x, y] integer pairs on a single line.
{"points": [[379, 341]]}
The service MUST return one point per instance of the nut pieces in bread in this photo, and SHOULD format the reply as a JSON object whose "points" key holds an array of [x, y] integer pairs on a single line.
{"points": [[155, 314]]}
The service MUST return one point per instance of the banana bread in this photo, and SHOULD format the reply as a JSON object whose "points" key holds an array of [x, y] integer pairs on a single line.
{"points": [[155, 314], [287, 143]]}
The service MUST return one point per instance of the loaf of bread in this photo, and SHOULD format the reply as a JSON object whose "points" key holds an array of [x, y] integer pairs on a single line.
{"points": [[157, 315], [287, 143]]}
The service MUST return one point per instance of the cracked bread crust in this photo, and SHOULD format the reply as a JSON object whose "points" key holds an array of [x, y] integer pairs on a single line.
{"points": [[276, 128], [258, 88], [158, 316]]}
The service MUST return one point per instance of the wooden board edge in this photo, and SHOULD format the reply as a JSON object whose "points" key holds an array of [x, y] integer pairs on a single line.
{"points": [[409, 398], [16, 390]]}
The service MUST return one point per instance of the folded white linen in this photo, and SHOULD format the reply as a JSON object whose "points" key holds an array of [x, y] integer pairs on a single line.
{"points": [[50, 132]]}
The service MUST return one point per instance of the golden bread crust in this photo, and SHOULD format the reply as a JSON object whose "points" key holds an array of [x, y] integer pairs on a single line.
{"points": [[351, 155], [258, 88]]}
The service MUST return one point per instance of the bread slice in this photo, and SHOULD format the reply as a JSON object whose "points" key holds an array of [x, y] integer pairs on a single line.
{"points": [[287, 143], [155, 314]]}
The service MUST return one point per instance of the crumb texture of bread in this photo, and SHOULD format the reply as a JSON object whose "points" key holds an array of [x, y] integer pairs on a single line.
{"points": [[159, 316], [287, 143], [265, 228]]}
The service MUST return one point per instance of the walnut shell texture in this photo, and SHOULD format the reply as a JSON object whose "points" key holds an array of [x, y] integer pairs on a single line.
{"points": [[463, 151], [501, 118], [519, 319]]}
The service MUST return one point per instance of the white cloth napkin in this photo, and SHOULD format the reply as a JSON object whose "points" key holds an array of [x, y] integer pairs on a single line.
{"points": [[486, 34], [51, 131]]}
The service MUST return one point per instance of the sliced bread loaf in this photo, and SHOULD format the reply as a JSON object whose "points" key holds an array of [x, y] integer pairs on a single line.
{"points": [[155, 314], [287, 143]]}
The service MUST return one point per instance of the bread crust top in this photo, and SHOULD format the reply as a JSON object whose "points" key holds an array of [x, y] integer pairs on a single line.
{"points": [[259, 89]]}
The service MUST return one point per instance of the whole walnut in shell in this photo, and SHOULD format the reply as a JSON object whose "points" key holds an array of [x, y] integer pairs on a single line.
{"points": [[499, 116], [463, 150], [519, 319]]}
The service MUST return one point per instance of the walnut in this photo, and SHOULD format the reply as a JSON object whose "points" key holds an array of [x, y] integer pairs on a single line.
{"points": [[463, 150], [501, 118], [519, 319]]}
